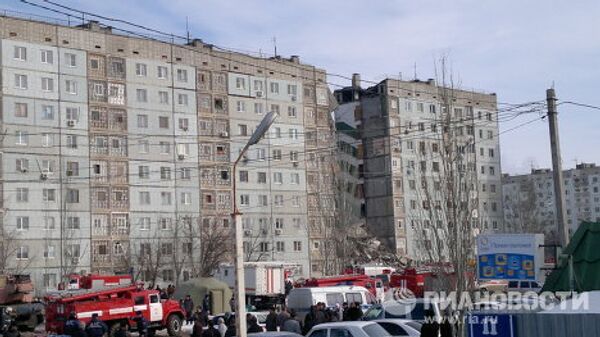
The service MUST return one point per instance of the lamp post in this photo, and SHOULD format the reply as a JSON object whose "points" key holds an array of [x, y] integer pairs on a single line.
{"points": [[240, 288]]}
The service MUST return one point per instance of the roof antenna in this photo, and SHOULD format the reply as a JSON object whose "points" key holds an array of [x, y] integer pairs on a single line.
{"points": [[187, 29], [415, 69], [275, 45]]}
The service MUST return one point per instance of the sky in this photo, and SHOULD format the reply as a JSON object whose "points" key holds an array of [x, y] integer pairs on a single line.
{"points": [[516, 49]]}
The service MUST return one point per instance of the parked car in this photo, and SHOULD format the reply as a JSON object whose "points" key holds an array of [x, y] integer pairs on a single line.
{"points": [[348, 329], [274, 334], [401, 327], [404, 310], [524, 286], [493, 286]]}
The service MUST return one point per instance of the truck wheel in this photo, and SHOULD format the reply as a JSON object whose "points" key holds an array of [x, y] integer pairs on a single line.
{"points": [[174, 325]]}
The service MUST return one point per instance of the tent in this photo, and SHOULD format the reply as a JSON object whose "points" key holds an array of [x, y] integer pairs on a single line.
{"points": [[584, 252], [220, 293]]}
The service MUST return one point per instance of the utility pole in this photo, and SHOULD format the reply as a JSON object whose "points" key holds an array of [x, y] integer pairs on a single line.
{"points": [[559, 187]]}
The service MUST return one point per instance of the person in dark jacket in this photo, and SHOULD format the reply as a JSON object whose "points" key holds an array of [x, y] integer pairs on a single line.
{"points": [[96, 328], [253, 324], [291, 324], [431, 327], [141, 324], [309, 320], [188, 307], [122, 331], [230, 327], [206, 303], [73, 326], [271, 321], [210, 331], [354, 313]]}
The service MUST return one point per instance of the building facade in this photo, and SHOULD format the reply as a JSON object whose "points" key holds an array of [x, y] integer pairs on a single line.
{"points": [[117, 153], [406, 130], [529, 204]]}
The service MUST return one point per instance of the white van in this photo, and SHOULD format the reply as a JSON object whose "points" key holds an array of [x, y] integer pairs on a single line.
{"points": [[301, 299]]}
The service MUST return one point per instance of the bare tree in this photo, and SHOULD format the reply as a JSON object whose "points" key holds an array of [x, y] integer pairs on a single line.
{"points": [[8, 246], [521, 211], [216, 247], [256, 246]]}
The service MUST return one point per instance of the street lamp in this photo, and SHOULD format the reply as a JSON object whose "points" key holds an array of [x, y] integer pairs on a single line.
{"points": [[240, 289]]}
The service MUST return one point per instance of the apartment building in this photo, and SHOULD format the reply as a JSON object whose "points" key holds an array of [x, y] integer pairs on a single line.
{"points": [[117, 153], [401, 127], [529, 204]]}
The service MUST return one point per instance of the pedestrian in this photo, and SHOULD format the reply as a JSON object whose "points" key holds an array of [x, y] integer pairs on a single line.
{"points": [[206, 302], [320, 314], [431, 327], [96, 328], [253, 324], [232, 303], [13, 331], [345, 311], [170, 290], [230, 327], [309, 319], [271, 320], [122, 331], [73, 326], [291, 324], [163, 295], [354, 313], [282, 316], [221, 326], [188, 307], [210, 331], [141, 324], [197, 329]]}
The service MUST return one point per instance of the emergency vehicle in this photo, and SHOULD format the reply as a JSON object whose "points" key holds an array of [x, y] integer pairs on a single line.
{"points": [[93, 281], [114, 305], [374, 285]]}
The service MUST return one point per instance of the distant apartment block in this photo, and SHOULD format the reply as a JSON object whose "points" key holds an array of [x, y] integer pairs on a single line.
{"points": [[117, 153], [529, 204], [399, 142]]}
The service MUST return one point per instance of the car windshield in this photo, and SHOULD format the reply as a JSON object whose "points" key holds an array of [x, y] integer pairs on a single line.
{"points": [[375, 330]]}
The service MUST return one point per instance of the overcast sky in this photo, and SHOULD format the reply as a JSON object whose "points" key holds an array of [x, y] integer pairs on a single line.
{"points": [[516, 49]]}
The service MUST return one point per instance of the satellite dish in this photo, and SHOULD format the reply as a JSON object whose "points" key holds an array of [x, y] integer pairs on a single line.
{"points": [[262, 128]]}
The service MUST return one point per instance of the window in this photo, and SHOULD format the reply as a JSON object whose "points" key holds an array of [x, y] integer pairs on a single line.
{"points": [[20, 53], [277, 132], [276, 154], [23, 253], [244, 176], [491, 153], [261, 178], [71, 87], [295, 201], [261, 154], [240, 83], [432, 108], [277, 178], [182, 75], [47, 84], [49, 194], [292, 89], [22, 223], [244, 200], [294, 156], [163, 122], [71, 60], [72, 113], [263, 200], [49, 223], [182, 99], [49, 253], [142, 121], [143, 172], [242, 129], [293, 133], [22, 194], [20, 81], [165, 198], [165, 147], [292, 111], [185, 173], [492, 171], [490, 134], [241, 106], [295, 177], [21, 110], [143, 146], [278, 201], [297, 246], [186, 198], [22, 165], [162, 72], [73, 222], [258, 85], [275, 87], [144, 198], [145, 224], [141, 95], [141, 70], [47, 56], [72, 196], [275, 108], [165, 173], [163, 97], [258, 108], [280, 246], [72, 141], [47, 112], [184, 124]]}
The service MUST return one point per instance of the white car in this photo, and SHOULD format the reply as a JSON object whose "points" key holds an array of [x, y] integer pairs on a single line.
{"points": [[401, 327], [348, 329]]}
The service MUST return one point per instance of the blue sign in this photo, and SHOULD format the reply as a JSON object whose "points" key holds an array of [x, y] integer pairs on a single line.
{"points": [[506, 267], [488, 325]]}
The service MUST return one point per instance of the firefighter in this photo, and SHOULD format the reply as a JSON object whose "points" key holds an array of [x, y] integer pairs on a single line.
{"points": [[96, 328], [73, 326], [141, 324]]}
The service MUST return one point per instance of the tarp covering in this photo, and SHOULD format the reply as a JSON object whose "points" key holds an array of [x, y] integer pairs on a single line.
{"points": [[219, 292], [584, 250]]}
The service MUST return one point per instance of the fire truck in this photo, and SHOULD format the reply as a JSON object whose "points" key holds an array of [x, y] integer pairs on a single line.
{"points": [[114, 305], [93, 281]]}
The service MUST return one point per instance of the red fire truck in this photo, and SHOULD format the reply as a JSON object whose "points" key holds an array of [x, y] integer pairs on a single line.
{"points": [[93, 281], [114, 305]]}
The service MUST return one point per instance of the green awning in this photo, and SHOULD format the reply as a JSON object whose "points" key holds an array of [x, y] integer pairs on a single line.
{"points": [[584, 249]]}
